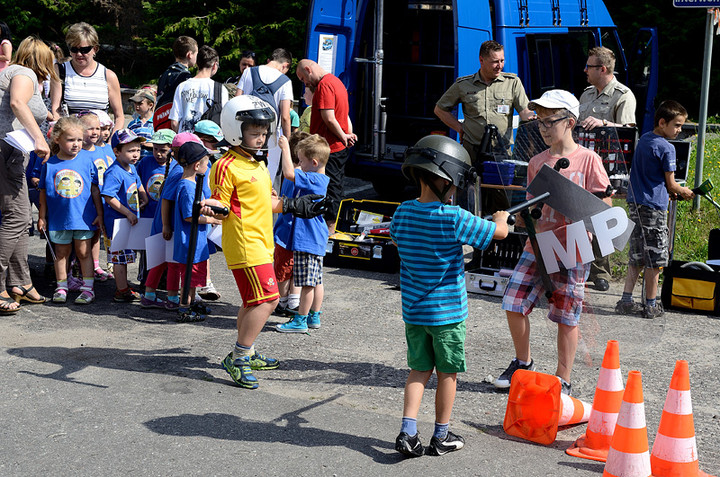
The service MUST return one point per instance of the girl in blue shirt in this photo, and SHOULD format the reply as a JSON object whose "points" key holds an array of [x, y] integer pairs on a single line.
{"points": [[70, 206]]}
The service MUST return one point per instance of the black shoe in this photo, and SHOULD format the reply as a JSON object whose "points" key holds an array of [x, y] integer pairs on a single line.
{"points": [[601, 285], [566, 388], [503, 381], [409, 445], [450, 443]]}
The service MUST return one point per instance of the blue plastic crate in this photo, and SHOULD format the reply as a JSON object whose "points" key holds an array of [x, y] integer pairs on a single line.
{"points": [[500, 173]]}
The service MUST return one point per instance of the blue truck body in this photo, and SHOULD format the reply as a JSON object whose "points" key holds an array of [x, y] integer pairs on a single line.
{"points": [[426, 44]]}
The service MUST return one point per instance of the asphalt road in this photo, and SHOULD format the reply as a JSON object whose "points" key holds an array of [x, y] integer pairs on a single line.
{"points": [[114, 389]]}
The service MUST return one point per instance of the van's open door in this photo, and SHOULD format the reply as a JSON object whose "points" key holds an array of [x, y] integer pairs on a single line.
{"points": [[643, 65]]}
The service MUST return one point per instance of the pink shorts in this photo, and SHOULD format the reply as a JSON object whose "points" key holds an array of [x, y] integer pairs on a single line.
{"points": [[257, 285], [525, 288], [283, 264]]}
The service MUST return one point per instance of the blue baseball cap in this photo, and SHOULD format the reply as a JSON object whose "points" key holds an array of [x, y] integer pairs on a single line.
{"points": [[124, 136], [210, 128]]}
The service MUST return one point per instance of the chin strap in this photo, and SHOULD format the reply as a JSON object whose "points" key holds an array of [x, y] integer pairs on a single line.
{"points": [[442, 195]]}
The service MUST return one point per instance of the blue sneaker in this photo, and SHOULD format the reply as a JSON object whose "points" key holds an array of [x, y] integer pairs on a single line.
{"points": [[313, 320], [240, 372], [260, 361], [297, 325]]}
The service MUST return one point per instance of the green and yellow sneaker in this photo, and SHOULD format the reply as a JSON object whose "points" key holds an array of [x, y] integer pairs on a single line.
{"points": [[240, 371]]}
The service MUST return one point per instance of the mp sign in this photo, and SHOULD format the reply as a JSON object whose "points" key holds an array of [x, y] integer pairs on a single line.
{"points": [[696, 3]]}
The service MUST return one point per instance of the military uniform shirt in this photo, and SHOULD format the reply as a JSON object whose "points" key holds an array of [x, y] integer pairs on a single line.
{"points": [[483, 104], [616, 103]]}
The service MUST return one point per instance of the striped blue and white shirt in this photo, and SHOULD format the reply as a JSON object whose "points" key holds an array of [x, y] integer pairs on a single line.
{"points": [[429, 237]]}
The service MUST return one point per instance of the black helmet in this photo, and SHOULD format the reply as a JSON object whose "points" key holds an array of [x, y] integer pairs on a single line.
{"points": [[443, 157]]}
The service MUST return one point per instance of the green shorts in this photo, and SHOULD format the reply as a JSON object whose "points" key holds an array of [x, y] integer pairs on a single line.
{"points": [[439, 347], [64, 237]]}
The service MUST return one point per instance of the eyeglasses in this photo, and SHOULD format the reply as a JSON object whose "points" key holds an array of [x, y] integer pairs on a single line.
{"points": [[548, 124], [587, 66], [81, 49]]}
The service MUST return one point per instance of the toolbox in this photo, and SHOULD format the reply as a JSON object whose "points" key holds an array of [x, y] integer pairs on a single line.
{"points": [[362, 239], [496, 265], [691, 286]]}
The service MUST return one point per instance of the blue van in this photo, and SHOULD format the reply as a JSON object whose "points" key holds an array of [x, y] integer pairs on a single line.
{"points": [[398, 57]]}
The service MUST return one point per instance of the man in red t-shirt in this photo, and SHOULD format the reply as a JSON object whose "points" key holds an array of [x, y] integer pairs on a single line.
{"points": [[330, 120]]}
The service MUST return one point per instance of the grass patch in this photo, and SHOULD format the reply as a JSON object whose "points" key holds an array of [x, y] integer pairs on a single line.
{"points": [[692, 228]]}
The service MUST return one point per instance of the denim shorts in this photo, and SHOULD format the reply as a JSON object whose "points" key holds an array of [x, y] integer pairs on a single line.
{"points": [[65, 237]]}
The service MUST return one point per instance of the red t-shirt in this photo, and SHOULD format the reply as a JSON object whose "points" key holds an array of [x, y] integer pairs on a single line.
{"points": [[330, 93]]}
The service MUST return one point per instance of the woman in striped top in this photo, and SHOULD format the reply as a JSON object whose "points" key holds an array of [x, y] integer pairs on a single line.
{"points": [[84, 83]]}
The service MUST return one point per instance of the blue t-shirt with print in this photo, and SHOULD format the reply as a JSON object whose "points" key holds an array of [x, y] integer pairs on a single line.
{"points": [[98, 157], [282, 230], [122, 185], [152, 176], [184, 209], [310, 235], [654, 156], [68, 189]]}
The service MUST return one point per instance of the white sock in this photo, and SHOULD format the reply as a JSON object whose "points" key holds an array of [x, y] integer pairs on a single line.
{"points": [[293, 300]]}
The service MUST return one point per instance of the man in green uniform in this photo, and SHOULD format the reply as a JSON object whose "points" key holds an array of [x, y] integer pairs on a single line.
{"points": [[606, 102], [489, 96]]}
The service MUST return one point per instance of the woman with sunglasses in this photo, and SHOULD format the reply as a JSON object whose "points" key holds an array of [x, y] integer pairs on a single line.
{"points": [[84, 83], [20, 102]]}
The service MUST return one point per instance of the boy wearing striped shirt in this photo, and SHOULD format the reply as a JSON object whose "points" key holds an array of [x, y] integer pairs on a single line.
{"points": [[430, 234]]}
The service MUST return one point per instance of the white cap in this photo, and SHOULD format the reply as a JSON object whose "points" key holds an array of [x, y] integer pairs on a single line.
{"points": [[555, 99], [103, 117]]}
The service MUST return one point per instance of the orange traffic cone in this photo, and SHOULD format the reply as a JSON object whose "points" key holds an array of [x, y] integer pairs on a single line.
{"points": [[594, 444], [674, 452], [536, 407], [629, 454]]}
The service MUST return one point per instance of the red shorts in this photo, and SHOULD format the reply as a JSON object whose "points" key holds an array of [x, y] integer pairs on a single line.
{"points": [[256, 284], [283, 263], [176, 271]]}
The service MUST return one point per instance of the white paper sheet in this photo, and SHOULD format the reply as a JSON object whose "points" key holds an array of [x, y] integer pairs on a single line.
{"points": [[158, 250], [20, 139], [215, 235], [126, 236]]}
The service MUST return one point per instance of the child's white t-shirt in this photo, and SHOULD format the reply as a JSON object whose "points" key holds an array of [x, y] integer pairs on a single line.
{"points": [[190, 102]]}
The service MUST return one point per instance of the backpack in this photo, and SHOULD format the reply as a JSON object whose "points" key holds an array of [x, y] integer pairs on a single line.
{"points": [[214, 105], [265, 91]]}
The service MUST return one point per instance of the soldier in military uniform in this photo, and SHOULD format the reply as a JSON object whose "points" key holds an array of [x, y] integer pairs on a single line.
{"points": [[606, 102], [487, 97]]}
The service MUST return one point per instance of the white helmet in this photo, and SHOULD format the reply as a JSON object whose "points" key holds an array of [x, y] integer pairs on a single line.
{"points": [[247, 109]]}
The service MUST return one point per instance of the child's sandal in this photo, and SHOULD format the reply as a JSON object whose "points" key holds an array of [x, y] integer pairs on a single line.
{"points": [[101, 275], [201, 308], [60, 295], [187, 315], [85, 298]]}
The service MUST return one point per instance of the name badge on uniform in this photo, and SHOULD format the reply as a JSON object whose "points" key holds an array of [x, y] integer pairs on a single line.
{"points": [[503, 109]]}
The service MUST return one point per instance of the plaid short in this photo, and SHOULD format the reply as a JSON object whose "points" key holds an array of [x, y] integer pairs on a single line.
{"points": [[649, 240], [307, 269], [121, 257], [525, 288]]}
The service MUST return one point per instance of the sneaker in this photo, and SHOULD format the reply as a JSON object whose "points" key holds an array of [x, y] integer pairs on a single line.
{"points": [[60, 295], [85, 298], [409, 445], [126, 296], [628, 307], [290, 312], [240, 372], [503, 382], [156, 303], [651, 312], [188, 315], [313, 320], [566, 388], [171, 305], [102, 275], [279, 310], [260, 361], [74, 284], [297, 325], [200, 307], [450, 443], [209, 292]]}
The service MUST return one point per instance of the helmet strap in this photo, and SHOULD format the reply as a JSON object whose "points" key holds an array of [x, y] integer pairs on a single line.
{"points": [[442, 195]]}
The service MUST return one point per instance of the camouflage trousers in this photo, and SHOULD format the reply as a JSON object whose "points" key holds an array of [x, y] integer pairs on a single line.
{"points": [[649, 239]]}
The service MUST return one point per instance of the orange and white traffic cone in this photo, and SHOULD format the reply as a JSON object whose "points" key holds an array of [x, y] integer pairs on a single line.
{"points": [[595, 443], [674, 452], [629, 454], [536, 407]]}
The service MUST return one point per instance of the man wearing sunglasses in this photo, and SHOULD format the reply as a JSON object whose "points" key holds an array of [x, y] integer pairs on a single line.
{"points": [[606, 102]]}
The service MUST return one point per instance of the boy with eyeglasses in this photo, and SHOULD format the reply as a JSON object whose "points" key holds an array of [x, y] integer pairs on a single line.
{"points": [[557, 112]]}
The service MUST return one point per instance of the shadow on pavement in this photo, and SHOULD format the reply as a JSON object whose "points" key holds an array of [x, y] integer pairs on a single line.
{"points": [[287, 428], [173, 362]]}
